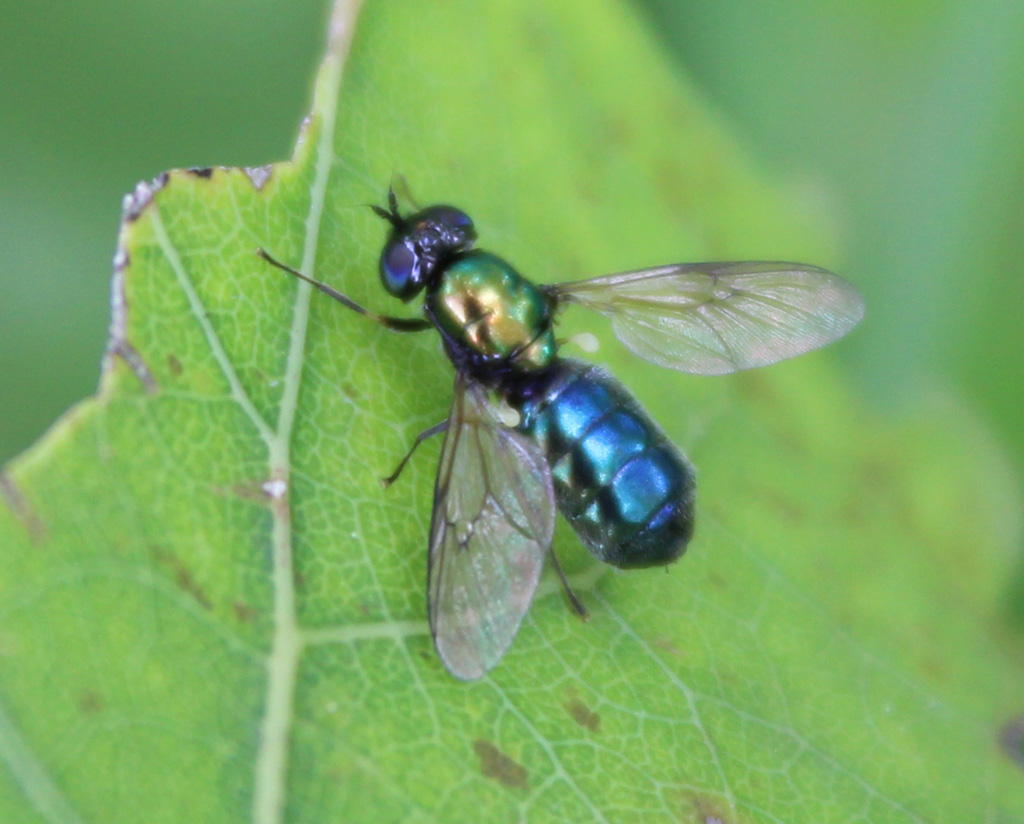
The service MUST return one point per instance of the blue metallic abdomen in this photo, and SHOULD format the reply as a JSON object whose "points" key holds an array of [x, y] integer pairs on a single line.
{"points": [[619, 481]]}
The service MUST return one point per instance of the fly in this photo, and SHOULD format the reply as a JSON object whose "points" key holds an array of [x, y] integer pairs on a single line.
{"points": [[530, 432]]}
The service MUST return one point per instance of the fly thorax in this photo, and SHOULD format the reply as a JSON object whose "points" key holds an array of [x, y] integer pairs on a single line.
{"points": [[485, 307]]}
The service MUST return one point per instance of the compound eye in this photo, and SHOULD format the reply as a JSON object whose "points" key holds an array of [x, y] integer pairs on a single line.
{"points": [[452, 217], [400, 270]]}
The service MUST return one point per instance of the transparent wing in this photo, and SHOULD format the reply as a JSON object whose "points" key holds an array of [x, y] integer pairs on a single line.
{"points": [[716, 318], [494, 516]]}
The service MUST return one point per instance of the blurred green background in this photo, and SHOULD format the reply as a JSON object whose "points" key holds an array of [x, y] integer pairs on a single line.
{"points": [[901, 121]]}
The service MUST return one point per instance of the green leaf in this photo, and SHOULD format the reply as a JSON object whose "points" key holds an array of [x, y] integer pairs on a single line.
{"points": [[211, 611]]}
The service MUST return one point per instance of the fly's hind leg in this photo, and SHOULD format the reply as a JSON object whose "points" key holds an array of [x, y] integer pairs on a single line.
{"points": [[436, 429], [574, 601]]}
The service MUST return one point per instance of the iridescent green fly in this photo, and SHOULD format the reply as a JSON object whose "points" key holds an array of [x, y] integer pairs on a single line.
{"points": [[529, 430]]}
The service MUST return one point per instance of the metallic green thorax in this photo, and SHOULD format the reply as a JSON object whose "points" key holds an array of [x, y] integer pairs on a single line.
{"points": [[486, 306]]}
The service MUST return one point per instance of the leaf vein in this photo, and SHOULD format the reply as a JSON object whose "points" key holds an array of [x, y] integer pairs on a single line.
{"points": [[238, 393], [271, 768]]}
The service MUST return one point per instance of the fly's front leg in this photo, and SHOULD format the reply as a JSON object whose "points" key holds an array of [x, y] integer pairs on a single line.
{"points": [[395, 324], [436, 429]]}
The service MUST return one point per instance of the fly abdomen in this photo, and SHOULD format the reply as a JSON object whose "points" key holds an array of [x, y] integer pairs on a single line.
{"points": [[619, 481]]}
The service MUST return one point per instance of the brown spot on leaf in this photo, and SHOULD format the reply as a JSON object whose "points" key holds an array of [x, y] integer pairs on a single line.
{"points": [[495, 764], [1011, 739], [699, 809], [174, 365], [250, 491], [201, 171], [717, 580], [758, 388], [11, 495], [933, 668], [582, 714], [90, 703], [668, 646], [243, 612], [183, 577], [674, 188]]}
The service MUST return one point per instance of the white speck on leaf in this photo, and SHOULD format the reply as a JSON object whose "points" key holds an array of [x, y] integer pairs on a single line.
{"points": [[275, 489]]}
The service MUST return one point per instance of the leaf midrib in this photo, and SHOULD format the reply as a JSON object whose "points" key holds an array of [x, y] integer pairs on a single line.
{"points": [[271, 767]]}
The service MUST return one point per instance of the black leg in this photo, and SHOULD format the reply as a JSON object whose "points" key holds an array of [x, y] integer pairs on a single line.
{"points": [[396, 324], [426, 433], [574, 602]]}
